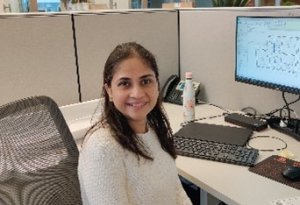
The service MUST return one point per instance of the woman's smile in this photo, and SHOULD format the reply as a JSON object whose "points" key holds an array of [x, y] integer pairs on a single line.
{"points": [[137, 104]]}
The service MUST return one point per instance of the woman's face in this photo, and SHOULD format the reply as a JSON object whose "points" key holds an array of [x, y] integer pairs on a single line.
{"points": [[134, 91]]}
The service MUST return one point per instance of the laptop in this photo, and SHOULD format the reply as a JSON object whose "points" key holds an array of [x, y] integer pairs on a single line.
{"points": [[216, 133]]}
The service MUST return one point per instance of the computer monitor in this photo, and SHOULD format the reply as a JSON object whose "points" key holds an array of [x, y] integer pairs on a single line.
{"points": [[268, 52]]}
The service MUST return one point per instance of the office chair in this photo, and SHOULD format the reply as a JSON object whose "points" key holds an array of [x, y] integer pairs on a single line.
{"points": [[38, 156]]}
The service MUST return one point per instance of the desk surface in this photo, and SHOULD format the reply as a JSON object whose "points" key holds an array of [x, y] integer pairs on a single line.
{"points": [[233, 184]]}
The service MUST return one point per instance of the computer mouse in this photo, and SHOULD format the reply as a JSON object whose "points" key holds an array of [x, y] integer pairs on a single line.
{"points": [[292, 173]]}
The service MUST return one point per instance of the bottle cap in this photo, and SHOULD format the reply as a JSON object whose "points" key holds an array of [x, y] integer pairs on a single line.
{"points": [[188, 75]]}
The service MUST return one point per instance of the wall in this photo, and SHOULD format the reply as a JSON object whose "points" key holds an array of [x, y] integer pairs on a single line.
{"points": [[207, 47], [37, 58], [38, 54], [97, 35]]}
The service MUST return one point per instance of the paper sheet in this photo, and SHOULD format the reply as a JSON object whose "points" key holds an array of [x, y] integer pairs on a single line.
{"points": [[287, 201]]}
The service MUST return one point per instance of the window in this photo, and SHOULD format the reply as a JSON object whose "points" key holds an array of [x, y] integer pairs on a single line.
{"points": [[42, 5]]}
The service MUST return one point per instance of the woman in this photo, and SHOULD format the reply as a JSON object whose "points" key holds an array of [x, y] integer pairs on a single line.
{"points": [[128, 156]]}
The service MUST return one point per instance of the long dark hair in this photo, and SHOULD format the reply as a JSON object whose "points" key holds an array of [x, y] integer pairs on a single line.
{"points": [[117, 122]]}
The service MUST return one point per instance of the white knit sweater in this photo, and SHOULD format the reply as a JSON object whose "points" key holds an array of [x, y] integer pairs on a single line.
{"points": [[111, 175]]}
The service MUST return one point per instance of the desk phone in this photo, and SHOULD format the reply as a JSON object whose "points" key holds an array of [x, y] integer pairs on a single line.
{"points": [[173, 89]]}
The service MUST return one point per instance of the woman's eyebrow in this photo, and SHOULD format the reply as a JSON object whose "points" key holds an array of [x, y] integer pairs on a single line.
{"points": [[142, 77], [147, 76], [123, 78]]}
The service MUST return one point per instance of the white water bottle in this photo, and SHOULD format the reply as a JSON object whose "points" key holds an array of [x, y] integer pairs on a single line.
{"points": [[188, 98]]}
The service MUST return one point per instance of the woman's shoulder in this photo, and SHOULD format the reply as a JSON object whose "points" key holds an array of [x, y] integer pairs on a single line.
{"points": [[101, 138], [99, 150]]}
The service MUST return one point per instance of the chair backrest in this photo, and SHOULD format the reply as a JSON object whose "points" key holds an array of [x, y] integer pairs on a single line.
{"points": [[38, 155]]}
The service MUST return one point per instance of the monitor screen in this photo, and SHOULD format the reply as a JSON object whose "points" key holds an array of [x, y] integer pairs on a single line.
{"points": [[268, 52]]}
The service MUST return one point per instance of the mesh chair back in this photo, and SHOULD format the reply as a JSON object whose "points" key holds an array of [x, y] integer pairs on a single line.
{"points": [[38, 155]]}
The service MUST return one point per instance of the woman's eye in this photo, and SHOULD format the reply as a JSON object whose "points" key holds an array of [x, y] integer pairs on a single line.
{"points": [[146, 81], [123, 84]]}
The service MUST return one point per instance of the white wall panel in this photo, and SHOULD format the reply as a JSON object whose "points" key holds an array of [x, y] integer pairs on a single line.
{"points": [[37, 58]]}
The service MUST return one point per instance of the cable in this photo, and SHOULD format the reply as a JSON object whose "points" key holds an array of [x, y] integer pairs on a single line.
{"points": [[202, 118], [249, 111], [287, 105], [209, 117], [283, 107], [222, 108], [267, 150]]}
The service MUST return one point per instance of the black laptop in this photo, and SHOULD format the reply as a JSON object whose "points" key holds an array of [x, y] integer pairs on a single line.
{"points": [[216, 133]]}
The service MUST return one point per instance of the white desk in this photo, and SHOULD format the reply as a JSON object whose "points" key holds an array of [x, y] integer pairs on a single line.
{"points": [[233, 184]]}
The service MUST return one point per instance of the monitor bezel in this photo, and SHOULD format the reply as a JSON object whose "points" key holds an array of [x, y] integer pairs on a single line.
{"points": [[259, 83]]}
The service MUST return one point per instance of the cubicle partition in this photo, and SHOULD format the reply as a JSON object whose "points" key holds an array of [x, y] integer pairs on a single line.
{"points": [[207, 48], [63, 55], [37, 58], [97, 34]]}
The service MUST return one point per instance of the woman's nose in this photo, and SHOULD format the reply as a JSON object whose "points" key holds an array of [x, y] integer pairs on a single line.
{"points": [[137, 92]]}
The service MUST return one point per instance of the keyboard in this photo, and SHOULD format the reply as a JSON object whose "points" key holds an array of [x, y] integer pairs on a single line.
{"points": [[227, 153]]}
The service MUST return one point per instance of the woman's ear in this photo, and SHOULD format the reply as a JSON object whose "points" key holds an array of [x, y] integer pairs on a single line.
{"points": [[108, 90]]}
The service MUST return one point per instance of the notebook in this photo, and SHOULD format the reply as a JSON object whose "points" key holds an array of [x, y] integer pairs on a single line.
{"points": [[216, 133]]}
